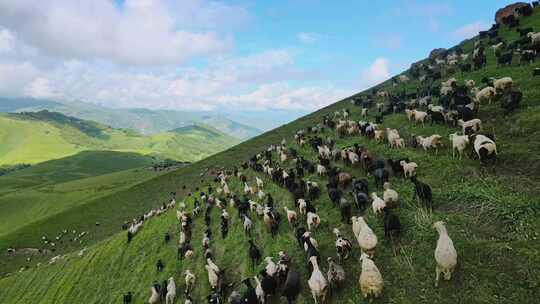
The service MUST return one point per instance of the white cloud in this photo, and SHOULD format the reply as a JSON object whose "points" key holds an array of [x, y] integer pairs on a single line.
{"points": [[142, 32], [308, 38], [469, 30], [283, 96], [15, 76], [39, 88], [377, 72]]}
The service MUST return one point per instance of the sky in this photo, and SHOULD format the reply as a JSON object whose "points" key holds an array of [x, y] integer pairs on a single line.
{"points": [[256, 58]]}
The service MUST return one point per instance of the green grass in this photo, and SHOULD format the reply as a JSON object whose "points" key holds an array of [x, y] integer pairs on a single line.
{"points": [[491, 213], [37, 137]]}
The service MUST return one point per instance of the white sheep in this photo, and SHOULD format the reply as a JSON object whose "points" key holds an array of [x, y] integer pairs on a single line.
{"points": [[445, 253], [410, 114], [431, 142], [271, 267], [171, 291], [390, 196], [503, 83], [409, 169], [154, 297], [189, 278], [367, 240], [475, 124], [291, 215], [459, 143], [247, 224], [377, 204], [317, 282], [420, 116], [486, 95], [535, 38], [470, 83], [364, 112], [371, 281], [260, 183], [302, 206], [321, 170], [213, 273], [313, 221]]}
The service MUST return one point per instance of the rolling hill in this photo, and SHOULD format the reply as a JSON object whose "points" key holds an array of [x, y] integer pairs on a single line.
{"points": [[145, 121], [491, 213], [33, 137]]}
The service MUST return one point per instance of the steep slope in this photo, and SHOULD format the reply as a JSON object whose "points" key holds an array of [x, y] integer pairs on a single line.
{"points": [[143, 120], [491, 214], [33, 137]]}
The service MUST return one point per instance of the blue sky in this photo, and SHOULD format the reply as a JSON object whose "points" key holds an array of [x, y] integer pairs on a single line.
{"points": [[244, 58]]}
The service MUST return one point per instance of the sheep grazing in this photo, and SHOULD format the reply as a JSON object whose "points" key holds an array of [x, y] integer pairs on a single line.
{"points": [[260, 183], [335, 274], [154, 297], [291, 287], [378, 204], [317, 283], [213, 273], [470, 83], [409, 169], [420, 117], [364, 112], [487, 94], [271, 267], [422, 192], [430, 142], [392, 225], [378, 135], [459, 143], [259, 291], [313, 221], [470, 126], [291, 215], [503, 84], [247, 225], [302, 206], [485, 148], [189, 278], [371, 282], [254, 253], [390, 196], [321, 170], [343, 246], [367, 240], [445, 254], [535, 38], [171, 291]]}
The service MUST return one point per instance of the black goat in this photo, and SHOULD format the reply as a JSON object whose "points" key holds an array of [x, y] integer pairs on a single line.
{"points": [[381, 177], [292, 286], [422, 192], [361, 199], [392, 225], [254, 253]]}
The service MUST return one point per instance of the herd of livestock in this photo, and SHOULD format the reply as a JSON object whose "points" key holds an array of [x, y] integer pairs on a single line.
{"points": [[458, 106]]}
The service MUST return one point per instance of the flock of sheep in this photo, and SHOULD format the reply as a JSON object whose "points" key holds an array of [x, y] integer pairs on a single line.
{"points": [[284, 165]]}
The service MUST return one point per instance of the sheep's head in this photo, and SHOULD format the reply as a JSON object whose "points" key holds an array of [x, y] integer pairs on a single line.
{"points": [[439, 226]]}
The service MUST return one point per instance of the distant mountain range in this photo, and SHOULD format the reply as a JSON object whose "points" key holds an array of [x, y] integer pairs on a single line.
{"points": [[33, 137], [144, 121]]}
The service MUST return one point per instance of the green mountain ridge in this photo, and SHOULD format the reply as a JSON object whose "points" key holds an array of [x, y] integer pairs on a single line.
{"points": [[143, 120], [33, 137]]}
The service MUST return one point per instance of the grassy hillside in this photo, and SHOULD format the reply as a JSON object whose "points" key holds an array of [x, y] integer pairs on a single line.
{"points": [[491, 213], [143, 120], [51, 188], [33, 137]]}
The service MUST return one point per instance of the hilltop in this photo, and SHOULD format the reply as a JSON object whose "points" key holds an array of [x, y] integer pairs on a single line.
{"points": [[491, 212], [145, 121], [33, 137]]}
